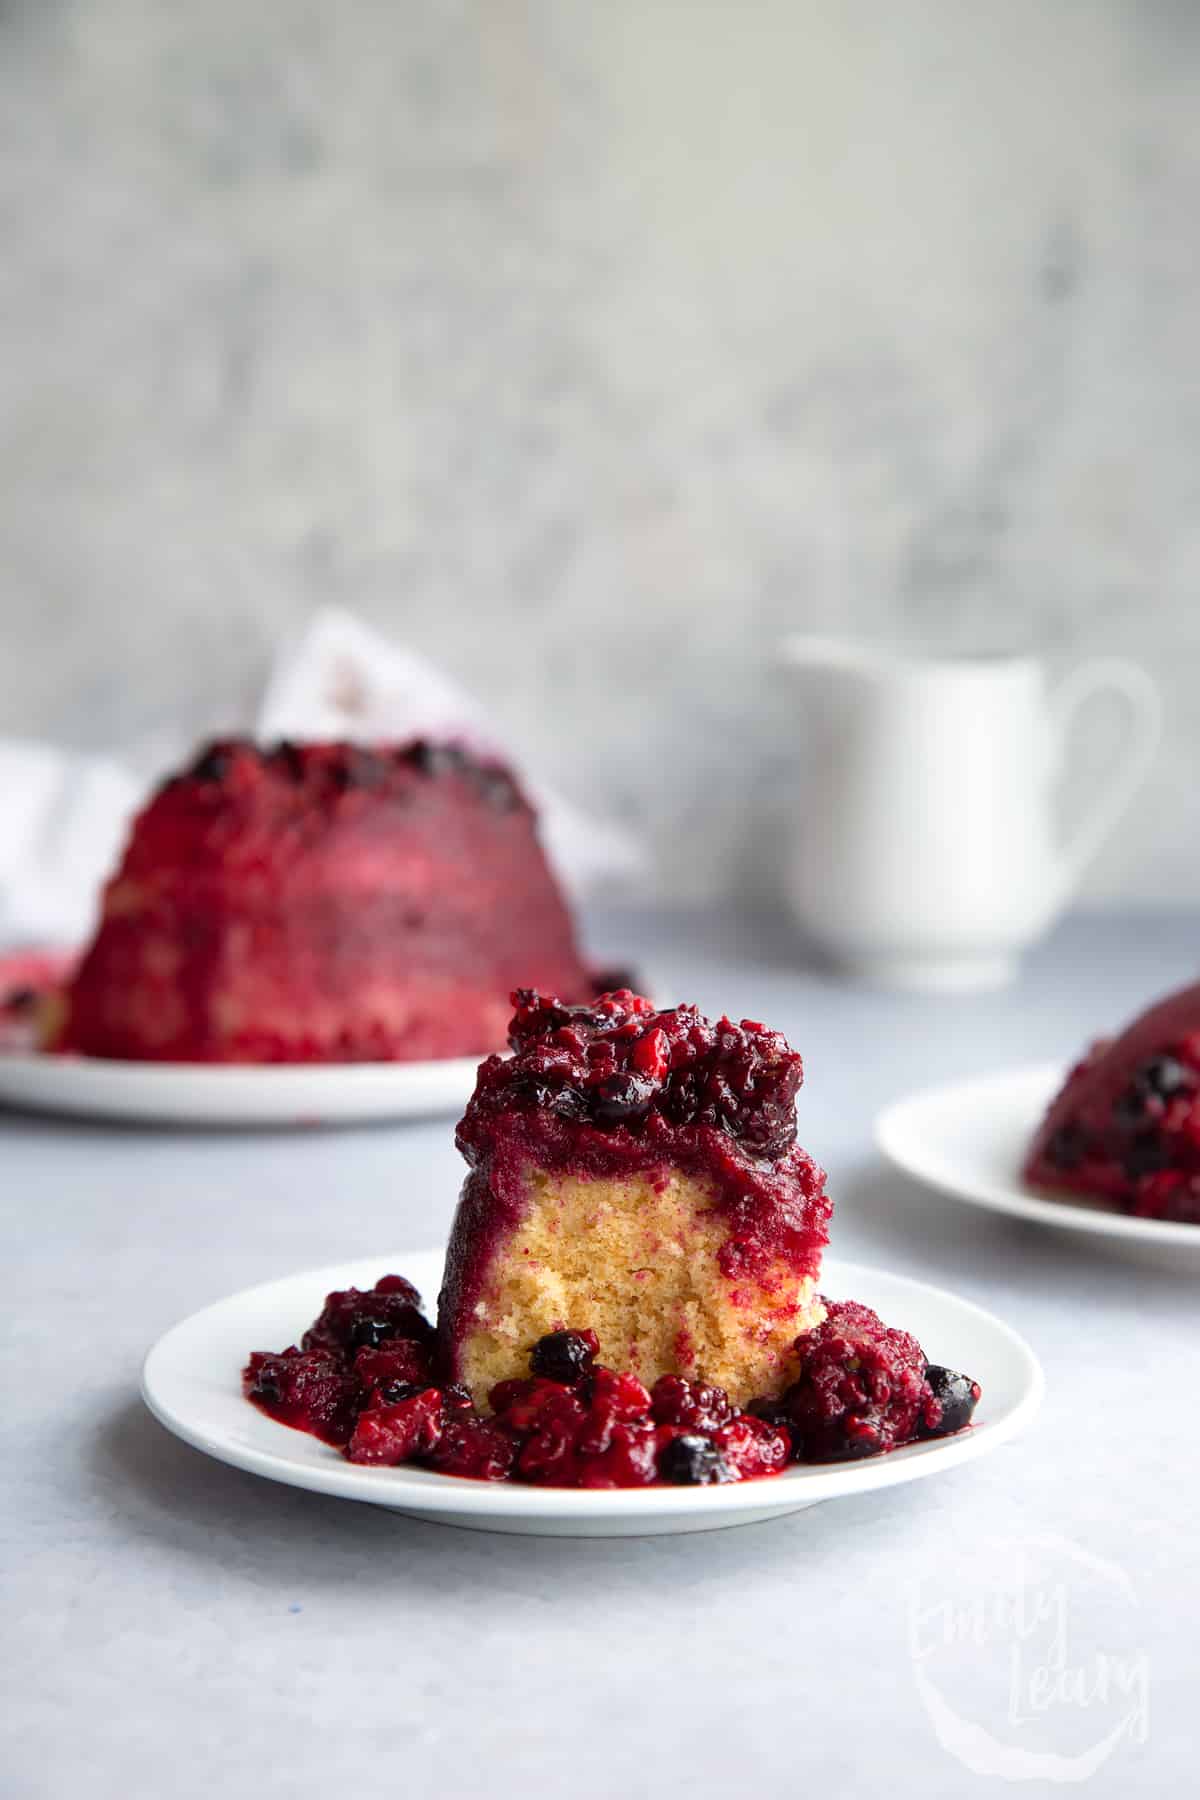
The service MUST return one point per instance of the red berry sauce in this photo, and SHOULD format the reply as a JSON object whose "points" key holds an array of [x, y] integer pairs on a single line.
{"points": [[361, 1379]]}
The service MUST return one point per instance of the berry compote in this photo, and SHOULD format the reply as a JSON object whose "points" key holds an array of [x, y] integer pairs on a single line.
{"points": [[618, 1061], [362, 1379]]}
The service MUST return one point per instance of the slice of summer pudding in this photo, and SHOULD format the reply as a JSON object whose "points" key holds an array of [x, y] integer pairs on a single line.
{"points": [[638, 1171], [630, 1286], [1125, 1125]]}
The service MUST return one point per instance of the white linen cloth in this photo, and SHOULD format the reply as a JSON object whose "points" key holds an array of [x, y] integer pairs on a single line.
{"points": [[64, 815]]}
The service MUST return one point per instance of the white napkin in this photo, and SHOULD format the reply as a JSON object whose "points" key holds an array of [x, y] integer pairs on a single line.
{"points": [[65, 815]]}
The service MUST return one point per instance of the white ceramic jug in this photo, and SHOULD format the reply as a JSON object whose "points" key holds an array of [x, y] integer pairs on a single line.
{"points": [[927, 854]]}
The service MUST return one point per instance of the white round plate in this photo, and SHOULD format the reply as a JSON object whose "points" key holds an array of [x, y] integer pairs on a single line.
{"points": [[969, 1139], [191, 1382], [236, 1094]]}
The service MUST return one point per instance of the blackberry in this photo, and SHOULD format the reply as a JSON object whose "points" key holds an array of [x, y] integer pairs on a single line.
{"points": [[619, 1098]]}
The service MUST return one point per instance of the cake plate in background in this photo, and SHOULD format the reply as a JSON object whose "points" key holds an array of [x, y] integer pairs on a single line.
{"points": [[969, 1140], [233, 1094]]}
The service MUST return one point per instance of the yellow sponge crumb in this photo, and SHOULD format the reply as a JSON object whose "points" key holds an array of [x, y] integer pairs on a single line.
{"points": [[636, 1260]]}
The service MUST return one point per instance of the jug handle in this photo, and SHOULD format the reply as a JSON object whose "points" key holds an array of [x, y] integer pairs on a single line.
{"points": [[1126, 682]]}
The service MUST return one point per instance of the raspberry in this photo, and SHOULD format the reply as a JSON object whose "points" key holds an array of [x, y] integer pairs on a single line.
{"points": [[606, 1442], [469, 1446], [751, 1447], [651, 1055], [619, 1396], [676, 1401], [527, 1406], [401, 1361], [861, 1387], [626, 1460], [397, 1434], [552, 1422]]}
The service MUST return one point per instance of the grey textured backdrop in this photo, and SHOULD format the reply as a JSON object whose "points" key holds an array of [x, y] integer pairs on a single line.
{"points": [[591, 344]]}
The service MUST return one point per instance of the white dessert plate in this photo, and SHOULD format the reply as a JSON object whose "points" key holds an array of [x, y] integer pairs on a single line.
{"points": [[191, 1382], [969, 1139], [235, 1094]]}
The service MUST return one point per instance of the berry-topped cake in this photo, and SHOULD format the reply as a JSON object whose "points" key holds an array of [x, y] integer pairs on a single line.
{"points": [[638, 1170], [629, 1295], [1126, 1124], [322, 902]]}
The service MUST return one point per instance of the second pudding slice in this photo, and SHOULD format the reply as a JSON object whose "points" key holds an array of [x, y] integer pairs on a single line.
{"points": [[635, 1172]]}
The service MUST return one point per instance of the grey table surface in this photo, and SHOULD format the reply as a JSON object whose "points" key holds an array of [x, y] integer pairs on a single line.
{"points": [[171, 1625]]}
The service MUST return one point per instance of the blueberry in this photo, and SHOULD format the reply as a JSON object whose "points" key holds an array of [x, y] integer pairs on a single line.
{"points": [[565, 1356], [368, 1333], [957, 1396], [1163, 1075], [692, 1461], [619, 1098]]}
